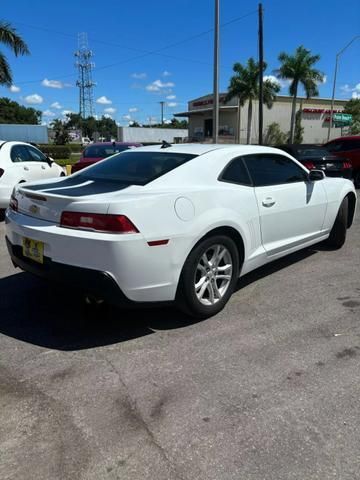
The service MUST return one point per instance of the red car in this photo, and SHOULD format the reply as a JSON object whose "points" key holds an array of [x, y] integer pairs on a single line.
{"points": [[98, 151], [348, 147]]}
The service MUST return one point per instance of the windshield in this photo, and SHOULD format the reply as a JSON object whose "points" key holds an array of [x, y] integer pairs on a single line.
{"points": [[312, 152], [103, 151], [137, 168]]}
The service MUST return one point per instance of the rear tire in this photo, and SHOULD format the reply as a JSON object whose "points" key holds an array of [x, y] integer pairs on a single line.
{"points": [[2, 214], [338, 232], [208, 277]]}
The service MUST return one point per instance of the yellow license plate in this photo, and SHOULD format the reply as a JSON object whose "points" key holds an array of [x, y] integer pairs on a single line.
{"points": [[33, 249]]}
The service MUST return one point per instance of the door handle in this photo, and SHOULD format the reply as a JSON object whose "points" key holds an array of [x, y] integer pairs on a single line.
{"points": [[268, 202], [26, 168], [43, 167]]}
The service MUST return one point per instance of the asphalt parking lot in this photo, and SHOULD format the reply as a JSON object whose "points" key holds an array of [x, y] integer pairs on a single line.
{"points": [[269, 389]]}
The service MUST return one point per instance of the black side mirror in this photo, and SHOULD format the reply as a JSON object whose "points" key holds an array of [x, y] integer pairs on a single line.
{"points": [[49, 161], [315, 175]]}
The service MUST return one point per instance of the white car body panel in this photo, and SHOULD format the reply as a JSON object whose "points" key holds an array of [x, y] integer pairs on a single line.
{"points": [[19, 172], [181, 206]]}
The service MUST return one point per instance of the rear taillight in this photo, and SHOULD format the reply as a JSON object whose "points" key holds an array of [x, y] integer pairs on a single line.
{"points": [[347, 165], [98, 222], [2, 171], [13, 203], [309, 165]]}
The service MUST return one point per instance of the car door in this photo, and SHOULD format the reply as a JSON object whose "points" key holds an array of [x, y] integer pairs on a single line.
{"points": [[22, 165], [291, 208], [41, 164]]}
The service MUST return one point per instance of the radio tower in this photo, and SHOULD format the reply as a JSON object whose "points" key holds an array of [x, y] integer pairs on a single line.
{"points": [[84, 82]]}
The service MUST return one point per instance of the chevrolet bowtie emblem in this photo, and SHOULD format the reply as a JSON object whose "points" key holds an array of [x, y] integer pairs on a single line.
{"points": [[33, 209]]}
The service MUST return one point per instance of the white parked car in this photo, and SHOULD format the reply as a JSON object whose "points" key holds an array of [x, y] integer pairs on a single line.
{"points": [[21, 162], [175, 223]]}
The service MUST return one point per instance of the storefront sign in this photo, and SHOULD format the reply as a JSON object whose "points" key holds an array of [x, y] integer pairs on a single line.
{"points": [[319, 110]]}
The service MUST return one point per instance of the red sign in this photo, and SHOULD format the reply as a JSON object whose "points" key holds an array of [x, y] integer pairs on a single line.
{"points": [[319, 110], [210, 101]]}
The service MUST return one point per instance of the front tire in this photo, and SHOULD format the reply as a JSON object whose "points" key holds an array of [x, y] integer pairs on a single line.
{"points": [[208, 277], [337, 235]]}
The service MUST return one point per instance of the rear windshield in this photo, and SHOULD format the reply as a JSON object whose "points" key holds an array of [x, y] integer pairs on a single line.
{"points": [[311, 152], [103, 151], [136, 168]]}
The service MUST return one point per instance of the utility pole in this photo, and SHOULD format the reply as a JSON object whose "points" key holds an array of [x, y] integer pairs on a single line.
{"points": [[261, 80], [162, 103], [216, 74]]}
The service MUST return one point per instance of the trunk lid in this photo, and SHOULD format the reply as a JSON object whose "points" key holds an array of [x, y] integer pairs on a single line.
{"points": [[48, 200]]}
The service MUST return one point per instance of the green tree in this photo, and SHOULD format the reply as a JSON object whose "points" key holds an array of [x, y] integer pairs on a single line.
{"points": [[10, 38], [353, 108], [61, 131], [274, 135], [13, 112], [245, 86], [299, 129], [299, 69]]}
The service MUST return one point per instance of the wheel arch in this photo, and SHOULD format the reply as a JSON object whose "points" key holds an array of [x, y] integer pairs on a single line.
{"points": [[351, 208]]}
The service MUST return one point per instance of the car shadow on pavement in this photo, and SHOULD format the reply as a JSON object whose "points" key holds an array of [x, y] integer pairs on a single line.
{"points": [[50, 316]]}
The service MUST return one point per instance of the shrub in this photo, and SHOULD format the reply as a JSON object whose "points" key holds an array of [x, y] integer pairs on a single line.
{"points": [[56, 151]]}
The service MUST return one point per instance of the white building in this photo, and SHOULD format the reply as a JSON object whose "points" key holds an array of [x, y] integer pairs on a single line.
{"points": [[315, 118]]}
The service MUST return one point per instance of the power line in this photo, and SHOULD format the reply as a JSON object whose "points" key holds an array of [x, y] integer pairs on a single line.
{"points": [[145, 53]]}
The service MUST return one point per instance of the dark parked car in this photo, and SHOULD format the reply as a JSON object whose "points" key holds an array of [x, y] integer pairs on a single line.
{"points": [[98, 151], [348, 147], [318, 157]]}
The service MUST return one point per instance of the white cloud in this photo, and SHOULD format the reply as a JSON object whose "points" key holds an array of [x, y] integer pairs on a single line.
{"points": [[133, 109], [324, 79], [167, 122], [159, 85], [171, 97], [48, 113], [107, 115], [103, 101], [34, 99], [110, 110], [66, 112], [166, 73], [14, 89], [172, 104], [347, 89], [56, 105], [139, 76], [127, 117], [277, 81], [52, 83]]}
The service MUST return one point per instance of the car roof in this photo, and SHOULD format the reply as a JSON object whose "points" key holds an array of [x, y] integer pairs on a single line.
{"points": [[201, 148], [345, 138], [107, 144]]}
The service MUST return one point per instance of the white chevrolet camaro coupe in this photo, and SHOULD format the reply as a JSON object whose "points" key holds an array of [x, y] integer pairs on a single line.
{"points": [[21, 162], [175, 223]]}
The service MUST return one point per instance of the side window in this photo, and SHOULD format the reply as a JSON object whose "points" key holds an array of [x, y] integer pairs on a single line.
{"points": [[235, 172], [351, 145], [334, 146], [19, 153], [270, 169], [35, 154]]}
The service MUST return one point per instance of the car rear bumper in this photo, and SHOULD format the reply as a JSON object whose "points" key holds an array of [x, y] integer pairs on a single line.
{"points": [[92, 282], [103, 264]]}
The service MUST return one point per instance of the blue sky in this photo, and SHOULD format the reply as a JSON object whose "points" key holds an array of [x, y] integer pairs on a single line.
{"points": [[131, 81]]}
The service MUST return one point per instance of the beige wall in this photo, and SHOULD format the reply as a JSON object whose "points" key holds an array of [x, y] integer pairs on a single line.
{"points": [[315, 128]]}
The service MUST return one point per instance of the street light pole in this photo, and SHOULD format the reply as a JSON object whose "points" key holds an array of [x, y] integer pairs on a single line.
{"points": [[261, 80], [216, 74], [334, 83]]}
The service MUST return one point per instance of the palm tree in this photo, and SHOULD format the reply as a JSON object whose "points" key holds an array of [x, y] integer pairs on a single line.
{"points": [[245, 86], [298, 68], [11, 39]]}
